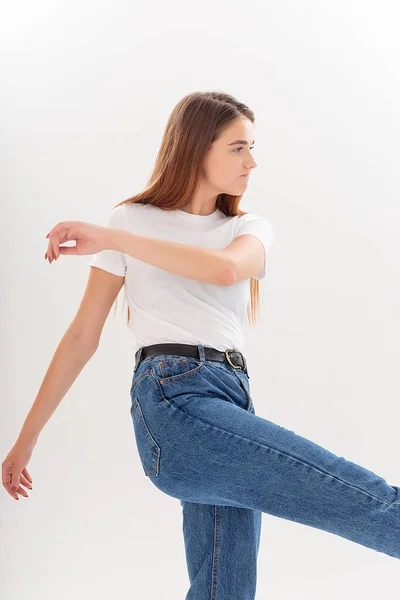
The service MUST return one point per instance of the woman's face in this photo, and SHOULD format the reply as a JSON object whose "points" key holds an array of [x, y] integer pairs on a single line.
{"points": [[228, 159]]}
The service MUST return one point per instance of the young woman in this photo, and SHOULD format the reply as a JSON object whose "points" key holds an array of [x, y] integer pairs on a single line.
{"points": [[190, 260]]}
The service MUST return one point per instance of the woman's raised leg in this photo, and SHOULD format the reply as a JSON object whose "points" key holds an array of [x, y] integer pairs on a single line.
{"points": [[202, 447]]}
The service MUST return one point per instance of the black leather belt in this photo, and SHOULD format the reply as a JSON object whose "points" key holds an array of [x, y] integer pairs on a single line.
{"points": [[233, 357]]}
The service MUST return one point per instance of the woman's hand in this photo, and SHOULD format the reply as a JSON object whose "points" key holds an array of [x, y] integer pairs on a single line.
{"points": [[89, 238], [14, 473]]}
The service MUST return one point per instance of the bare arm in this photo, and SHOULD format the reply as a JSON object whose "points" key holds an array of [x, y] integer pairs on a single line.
{"points": [[193, 262], [75, 349], [77, 346], [70, 357]]}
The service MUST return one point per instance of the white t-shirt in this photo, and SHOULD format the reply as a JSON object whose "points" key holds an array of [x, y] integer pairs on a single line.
{"points": [[165, 307]]}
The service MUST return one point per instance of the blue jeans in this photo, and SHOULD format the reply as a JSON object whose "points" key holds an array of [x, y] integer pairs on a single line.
{"points": [[200, 441]]}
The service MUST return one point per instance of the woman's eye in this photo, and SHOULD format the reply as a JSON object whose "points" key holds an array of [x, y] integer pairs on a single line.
{"points": [[241, 148]]}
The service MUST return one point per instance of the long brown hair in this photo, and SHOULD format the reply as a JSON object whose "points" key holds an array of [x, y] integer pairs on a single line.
{"points": [[195, 123]]}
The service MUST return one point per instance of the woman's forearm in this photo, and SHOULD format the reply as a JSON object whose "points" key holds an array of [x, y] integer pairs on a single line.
{"points": [[70, 357], [194, 262]]}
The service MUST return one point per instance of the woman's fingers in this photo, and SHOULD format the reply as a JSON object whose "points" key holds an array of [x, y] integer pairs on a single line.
{"points": [[58, 235], [26, 474], [89, 239], [10, 490], [25, 482], [54, 244], [50, 254], [14, 476], [20, 490]]}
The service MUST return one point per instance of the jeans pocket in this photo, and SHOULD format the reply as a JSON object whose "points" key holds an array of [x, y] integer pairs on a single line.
{"points": [[168, 370], [148, 449]]}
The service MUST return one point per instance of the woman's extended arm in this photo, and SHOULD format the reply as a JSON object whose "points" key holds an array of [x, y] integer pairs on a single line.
{"points": [[70, 357], [194, 262], [75, 349]]}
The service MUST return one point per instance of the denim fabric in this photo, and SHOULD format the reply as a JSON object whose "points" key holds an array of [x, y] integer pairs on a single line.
{"points": [[200, 441]]}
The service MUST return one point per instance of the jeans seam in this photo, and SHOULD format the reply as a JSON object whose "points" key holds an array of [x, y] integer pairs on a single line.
{"points": [[185, 375], [155, 446], [217, 526], [173, 361], [284, 454], [138, 379]]}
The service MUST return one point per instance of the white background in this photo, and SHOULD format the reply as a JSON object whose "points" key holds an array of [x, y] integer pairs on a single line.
{"points": [[87, 88]]}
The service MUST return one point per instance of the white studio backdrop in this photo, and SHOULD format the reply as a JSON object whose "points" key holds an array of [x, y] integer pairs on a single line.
{"points": [[87, 90]]}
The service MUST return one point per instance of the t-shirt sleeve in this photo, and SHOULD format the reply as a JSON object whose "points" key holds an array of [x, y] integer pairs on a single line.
{"points": [[112, 260], [261, 228]]}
